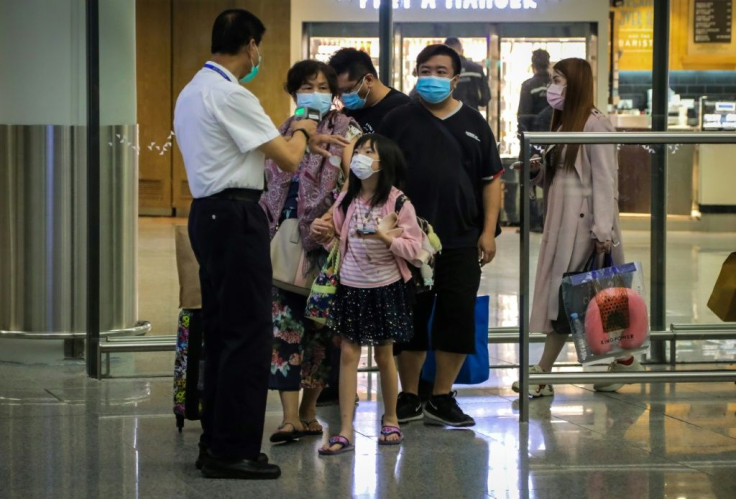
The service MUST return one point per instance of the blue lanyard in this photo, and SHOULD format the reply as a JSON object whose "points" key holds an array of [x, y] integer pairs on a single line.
{"points": [[217, 70]]}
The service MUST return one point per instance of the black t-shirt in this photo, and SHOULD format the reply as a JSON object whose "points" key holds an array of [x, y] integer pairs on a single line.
{"points": [[370, 118], [445, 177]]}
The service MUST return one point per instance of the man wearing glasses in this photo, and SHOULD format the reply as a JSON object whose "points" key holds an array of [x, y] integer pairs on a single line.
{"points": [[365, 98]]}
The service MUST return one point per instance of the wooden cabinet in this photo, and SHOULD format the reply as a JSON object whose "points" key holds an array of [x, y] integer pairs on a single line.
{"points": [[155, 113], [173, 41]]}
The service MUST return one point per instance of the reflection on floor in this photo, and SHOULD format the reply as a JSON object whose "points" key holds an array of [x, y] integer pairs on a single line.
{"points": [[65, 435]]}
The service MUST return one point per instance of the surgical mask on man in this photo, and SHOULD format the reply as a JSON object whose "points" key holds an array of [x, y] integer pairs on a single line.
{"points": [[362, 166], [352, 100], [555, 96], [434, 89], [316, 100], [254, 70]]}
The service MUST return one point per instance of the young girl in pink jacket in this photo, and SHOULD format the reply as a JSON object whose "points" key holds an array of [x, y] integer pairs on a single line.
{"points": [[372, 305]]}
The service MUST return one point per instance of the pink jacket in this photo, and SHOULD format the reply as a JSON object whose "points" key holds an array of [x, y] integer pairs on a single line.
{"points": [[406, 247], [581, 209]]}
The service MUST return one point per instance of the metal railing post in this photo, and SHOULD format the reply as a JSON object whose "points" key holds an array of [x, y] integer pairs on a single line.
{"points": [[93, 187], [526, 154], [658, 228], [385, 41]]}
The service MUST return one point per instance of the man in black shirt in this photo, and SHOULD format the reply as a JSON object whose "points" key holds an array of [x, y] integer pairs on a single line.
{"points": [[364, 96], [453, 171], [472, 87]]}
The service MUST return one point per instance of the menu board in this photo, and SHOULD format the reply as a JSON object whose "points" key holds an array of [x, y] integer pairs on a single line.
{"points": [[718, 115], [712, 21]]}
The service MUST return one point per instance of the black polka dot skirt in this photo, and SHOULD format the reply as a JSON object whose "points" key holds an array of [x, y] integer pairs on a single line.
{"points": [[373, 316]]}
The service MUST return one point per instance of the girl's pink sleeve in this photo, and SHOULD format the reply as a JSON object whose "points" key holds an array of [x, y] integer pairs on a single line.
{"points": [[409, 243], [338, 217]]}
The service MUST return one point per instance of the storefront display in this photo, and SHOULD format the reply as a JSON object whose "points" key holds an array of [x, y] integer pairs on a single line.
{"points": [[500, 36], [515, 68]]}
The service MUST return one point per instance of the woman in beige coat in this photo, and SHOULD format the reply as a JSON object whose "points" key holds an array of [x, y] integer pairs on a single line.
{"points": [[581, 210]]}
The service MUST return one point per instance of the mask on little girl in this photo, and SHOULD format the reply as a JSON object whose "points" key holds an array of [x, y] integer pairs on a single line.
{"points": [[361, 166]]}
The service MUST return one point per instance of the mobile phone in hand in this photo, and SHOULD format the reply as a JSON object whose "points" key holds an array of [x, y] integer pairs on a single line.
{"points": [[534, 163]]}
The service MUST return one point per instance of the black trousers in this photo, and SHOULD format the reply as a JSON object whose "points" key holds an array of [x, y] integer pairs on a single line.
{"points": [[231, 242], [456, 282]]}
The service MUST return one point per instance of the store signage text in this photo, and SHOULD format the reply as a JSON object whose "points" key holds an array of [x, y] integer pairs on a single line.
{"points": [[454, 4]]}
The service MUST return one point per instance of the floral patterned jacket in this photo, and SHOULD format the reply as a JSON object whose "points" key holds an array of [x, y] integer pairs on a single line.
{"points": [[319, 180]]}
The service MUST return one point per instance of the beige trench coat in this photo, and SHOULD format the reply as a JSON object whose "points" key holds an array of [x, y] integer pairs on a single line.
{"points": [[581, 206]]}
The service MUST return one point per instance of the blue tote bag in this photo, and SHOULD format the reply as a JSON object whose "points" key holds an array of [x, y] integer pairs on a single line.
{"points": [[475, 369]]}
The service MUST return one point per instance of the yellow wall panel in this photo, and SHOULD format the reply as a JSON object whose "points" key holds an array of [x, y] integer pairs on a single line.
{"points": [[633, 34]]}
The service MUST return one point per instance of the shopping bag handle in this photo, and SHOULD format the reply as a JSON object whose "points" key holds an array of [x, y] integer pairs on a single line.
{"points": [[592, 263]]}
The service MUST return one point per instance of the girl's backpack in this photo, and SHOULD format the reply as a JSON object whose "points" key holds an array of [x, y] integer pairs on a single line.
{"points": [[423, 276]]}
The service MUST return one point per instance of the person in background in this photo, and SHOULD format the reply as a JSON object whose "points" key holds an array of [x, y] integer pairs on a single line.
{"points": [[224, 136], [533, 97], [534, 115], [367, 100], [298, 359], [453, 179], [372, 305], [472, 87], [581, 202]]}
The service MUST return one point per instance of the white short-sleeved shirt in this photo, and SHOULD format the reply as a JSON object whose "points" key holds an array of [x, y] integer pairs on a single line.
{"points": [[219, 125]]}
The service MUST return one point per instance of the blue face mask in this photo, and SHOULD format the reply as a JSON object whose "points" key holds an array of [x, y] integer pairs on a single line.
{"points": [[434, 89], [317, 100], [254, 70], [352, 100]]}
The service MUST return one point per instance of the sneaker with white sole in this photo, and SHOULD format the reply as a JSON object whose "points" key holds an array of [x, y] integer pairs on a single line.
{"points": [[617, 367], [443, 410], [536, 390], [409, 408]]}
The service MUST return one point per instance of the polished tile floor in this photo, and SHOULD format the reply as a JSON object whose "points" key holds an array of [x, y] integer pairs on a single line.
{"points": [[65, 435]]}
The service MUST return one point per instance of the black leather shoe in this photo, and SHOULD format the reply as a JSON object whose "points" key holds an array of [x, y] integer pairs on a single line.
{"points": [[204, 456], [243, 469]]}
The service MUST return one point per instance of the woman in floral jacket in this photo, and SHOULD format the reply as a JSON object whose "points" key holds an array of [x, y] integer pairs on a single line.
{"points": [[298, 359]]}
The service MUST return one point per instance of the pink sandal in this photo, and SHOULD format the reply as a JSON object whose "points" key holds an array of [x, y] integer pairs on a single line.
{"points": [[387, 431], [337, 440]]}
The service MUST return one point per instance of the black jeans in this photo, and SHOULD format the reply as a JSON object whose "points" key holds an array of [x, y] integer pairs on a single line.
{"points": [[231, 242]]}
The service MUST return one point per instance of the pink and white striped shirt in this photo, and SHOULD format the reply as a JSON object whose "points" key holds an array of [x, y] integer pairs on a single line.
{"points": [[367, 266], [367, 263]]}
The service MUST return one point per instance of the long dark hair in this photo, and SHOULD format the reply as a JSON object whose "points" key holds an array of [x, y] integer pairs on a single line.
{"points": [[578, 105], [391, 171]]}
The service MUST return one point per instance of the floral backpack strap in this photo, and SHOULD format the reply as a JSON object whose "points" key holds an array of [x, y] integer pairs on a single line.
{"points": [[335, 255]]}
